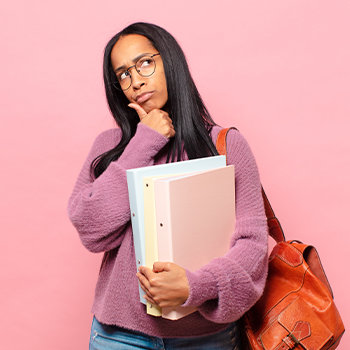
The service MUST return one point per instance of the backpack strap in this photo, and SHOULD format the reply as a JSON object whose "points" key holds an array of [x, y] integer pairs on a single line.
{"points": [[275, 228]]}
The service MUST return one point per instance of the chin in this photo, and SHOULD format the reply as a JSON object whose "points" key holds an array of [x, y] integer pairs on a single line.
{"points": [[149, 106], [147, 109]]}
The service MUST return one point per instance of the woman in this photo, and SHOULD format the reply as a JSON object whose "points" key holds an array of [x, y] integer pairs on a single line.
{"points": [[161, 118]]}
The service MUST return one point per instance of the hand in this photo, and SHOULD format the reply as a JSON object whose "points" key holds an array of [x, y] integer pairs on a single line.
{"points": [[156, 119], [166, 285]]}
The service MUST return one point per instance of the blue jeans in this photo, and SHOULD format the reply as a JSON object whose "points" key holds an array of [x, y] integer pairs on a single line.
{"points": [[105, 337]]}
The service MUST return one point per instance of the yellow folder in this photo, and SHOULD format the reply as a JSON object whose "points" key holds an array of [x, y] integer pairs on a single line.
{"points": [[151, 245]]}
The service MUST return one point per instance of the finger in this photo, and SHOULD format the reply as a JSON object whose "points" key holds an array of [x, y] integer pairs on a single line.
{"points": [[167, 118], [148, 296], [144, 284], [149, 299], [172, 132], [143, 281], [140, 111], [146, 272], [159, 266]]}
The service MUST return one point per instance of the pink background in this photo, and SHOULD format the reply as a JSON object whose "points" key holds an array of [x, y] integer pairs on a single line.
{"points": [[277, 70]]}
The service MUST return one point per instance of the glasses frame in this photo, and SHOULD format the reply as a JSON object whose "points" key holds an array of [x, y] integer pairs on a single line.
{"points": [[116, 84]]}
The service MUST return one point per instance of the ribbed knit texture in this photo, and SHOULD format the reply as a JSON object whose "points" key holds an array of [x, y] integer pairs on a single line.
{"points": [[223, 290]]}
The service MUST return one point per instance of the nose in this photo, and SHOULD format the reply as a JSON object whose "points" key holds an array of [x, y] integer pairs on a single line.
{"points": [[137, 80]]}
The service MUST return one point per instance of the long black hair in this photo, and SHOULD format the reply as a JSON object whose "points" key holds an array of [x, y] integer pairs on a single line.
{"points": [[192, 121]]}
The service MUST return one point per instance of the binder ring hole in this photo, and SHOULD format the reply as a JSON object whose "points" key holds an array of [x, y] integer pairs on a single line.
{"points": [[161, 225]]}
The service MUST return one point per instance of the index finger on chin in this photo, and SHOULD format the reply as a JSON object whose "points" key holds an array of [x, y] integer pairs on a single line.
{"points": [[139, 110]]}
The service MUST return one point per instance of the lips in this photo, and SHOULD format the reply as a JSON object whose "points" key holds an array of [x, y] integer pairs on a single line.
{"points": [[144, 96]]}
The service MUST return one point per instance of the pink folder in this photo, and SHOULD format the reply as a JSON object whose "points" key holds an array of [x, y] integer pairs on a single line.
{"points": [[195, 218]]}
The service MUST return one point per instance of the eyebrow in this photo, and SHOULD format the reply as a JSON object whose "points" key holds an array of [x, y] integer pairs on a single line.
{"points": [[134, 60]]}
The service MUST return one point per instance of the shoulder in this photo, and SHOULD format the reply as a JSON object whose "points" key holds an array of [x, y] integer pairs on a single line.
{"points": [[109, 136], [234, 139], [107, 139], [104, 142], [239, 152]]}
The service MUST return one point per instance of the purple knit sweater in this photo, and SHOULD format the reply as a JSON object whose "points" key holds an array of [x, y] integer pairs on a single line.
{"points": [[222, 290]]}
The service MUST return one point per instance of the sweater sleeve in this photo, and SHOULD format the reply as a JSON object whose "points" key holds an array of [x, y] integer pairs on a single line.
{"points": [[227, 287], [99, 208]]}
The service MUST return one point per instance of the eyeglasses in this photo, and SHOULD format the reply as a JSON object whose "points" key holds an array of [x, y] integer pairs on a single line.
{"points": [[145, 66]]}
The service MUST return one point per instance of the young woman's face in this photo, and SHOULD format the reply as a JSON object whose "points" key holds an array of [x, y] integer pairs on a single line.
{"points": [[148, 92]]}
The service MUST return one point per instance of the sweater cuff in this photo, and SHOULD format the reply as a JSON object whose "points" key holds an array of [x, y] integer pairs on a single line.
{"points": [[142, 148], [203, 287]]}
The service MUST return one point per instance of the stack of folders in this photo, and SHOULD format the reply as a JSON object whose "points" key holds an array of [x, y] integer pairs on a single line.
{"points": [[184, 213]]}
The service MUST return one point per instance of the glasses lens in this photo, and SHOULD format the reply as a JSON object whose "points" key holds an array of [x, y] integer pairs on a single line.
{"points": [[124, 80], [146, 66]]}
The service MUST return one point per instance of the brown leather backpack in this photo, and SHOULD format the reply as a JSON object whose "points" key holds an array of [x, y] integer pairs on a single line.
{"points": [[296, 310]]}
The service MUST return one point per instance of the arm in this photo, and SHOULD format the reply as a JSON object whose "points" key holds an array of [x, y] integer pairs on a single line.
{"points": [[99, 208], [227, 287]]}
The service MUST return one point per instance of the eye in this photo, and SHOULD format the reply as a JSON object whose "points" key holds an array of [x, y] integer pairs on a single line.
{"points": [[145, 62], [123, 75]]}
